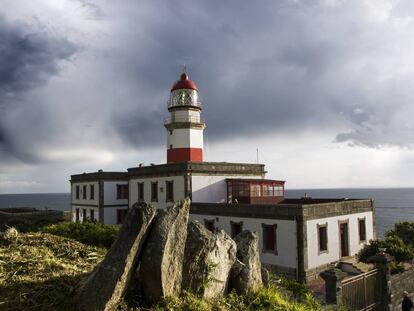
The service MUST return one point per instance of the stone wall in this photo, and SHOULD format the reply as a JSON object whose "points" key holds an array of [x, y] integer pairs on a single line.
{"points": [[399, 283]]}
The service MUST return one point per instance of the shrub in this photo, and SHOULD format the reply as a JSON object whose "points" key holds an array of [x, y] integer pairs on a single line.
{"points": [[396, 268], [404, 230], [29, 225], [394, 246], [91, 233]]}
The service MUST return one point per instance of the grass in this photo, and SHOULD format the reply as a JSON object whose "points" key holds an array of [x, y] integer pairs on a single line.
{"points": [[39, 271], [266, 298], [91, 233]]}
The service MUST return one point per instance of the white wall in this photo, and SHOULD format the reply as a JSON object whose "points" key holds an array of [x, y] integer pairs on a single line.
{"points": [[212, 189], [185, 115], [178, 190], [88, 200], [185, 138], [314, 258], [110, 192], [285, 236]]}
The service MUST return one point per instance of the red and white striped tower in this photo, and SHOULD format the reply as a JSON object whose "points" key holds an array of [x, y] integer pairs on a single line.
{"points": [[184, 126]]}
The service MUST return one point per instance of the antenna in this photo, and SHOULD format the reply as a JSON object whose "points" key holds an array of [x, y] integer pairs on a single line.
{"points": [[257, 155], [185, 68]]}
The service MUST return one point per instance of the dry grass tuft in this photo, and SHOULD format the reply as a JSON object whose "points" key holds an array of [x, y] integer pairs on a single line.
{"points": [[39, 271]]}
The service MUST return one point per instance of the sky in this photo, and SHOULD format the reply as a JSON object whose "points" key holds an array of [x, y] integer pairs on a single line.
{"points": [[323, 89]]}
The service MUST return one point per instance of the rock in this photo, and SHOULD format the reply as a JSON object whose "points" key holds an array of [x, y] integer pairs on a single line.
{"points": [[10, 235], [161, 267], [108, 282], [246, 274], [207, 262]]}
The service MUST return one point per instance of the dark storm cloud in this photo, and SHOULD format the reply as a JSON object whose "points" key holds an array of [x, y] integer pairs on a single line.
{"points": [[282, 66], [273, 67], [28, 59]]}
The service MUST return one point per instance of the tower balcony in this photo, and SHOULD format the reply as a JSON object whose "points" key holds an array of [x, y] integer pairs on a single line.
{"points": [[189, 104], [184, 120]]}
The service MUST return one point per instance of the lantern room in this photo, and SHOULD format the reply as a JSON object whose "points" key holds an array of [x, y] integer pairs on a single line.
{"points": [[184, 93], [255, 191]]}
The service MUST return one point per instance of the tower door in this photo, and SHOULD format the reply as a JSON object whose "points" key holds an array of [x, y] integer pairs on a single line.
{"points": [[343, 239]]}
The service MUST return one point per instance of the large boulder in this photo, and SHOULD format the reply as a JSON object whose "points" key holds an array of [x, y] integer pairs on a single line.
{"points": [[246, 273], [108, 282], [208, 260], [160, 272]]}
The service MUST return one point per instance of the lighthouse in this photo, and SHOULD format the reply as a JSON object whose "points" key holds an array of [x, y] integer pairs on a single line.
{"points": [[184, 125]]}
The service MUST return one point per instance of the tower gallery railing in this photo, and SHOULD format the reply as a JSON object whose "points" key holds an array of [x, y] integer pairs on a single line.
{"points": [[196, 104], [187, 119]]}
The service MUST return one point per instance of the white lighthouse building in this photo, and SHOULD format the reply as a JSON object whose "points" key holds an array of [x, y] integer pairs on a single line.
{"points": [[298, 237], [184, 126]]}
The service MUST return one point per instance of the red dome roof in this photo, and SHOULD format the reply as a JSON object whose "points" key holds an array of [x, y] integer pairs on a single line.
{"points": [[184, 83]]}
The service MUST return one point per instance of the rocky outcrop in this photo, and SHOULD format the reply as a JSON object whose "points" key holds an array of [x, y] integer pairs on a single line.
{"points": [[208, 260], [108, 282], [160, 272], [246, 273]]}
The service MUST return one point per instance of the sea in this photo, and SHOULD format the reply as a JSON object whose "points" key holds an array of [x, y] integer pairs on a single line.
{"points": [[391, 204]]}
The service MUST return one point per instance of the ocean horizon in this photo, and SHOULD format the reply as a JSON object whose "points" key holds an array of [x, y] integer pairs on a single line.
{"points": [[391, 204]]}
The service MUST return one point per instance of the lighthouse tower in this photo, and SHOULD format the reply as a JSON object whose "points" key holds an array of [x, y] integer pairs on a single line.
{"points": [[184, 126]]}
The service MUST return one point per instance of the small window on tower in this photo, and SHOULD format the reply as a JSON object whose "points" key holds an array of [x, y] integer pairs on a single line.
{"points": [[171, 147], [171, 132]]}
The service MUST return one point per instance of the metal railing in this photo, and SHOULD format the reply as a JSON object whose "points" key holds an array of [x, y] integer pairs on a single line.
{"points": [[196, 104], [187, 119]]}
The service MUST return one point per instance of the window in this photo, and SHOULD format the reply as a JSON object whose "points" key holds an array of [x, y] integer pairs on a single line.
{"points": [[236, 228], [92, 192], [84, 215], [154, 191], [140, 191], [121, 192], [77, 192], [255, 191], [169, 196], [92, 215], [84, 192], [120, 215], [269, 238], [362, 230], [77, 214], [323, 238], [209, 224]]}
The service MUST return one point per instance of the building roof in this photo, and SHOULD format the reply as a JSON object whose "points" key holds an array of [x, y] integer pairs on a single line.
{"points": [[211, 168], [99, 175], [184, 83], [283, 210], [256, 180]]}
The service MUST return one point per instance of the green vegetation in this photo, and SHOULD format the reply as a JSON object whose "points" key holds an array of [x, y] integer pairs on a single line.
{"points": [[398, 242], [266, 298], [39, 271], [29, 225], [91, 233]]}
